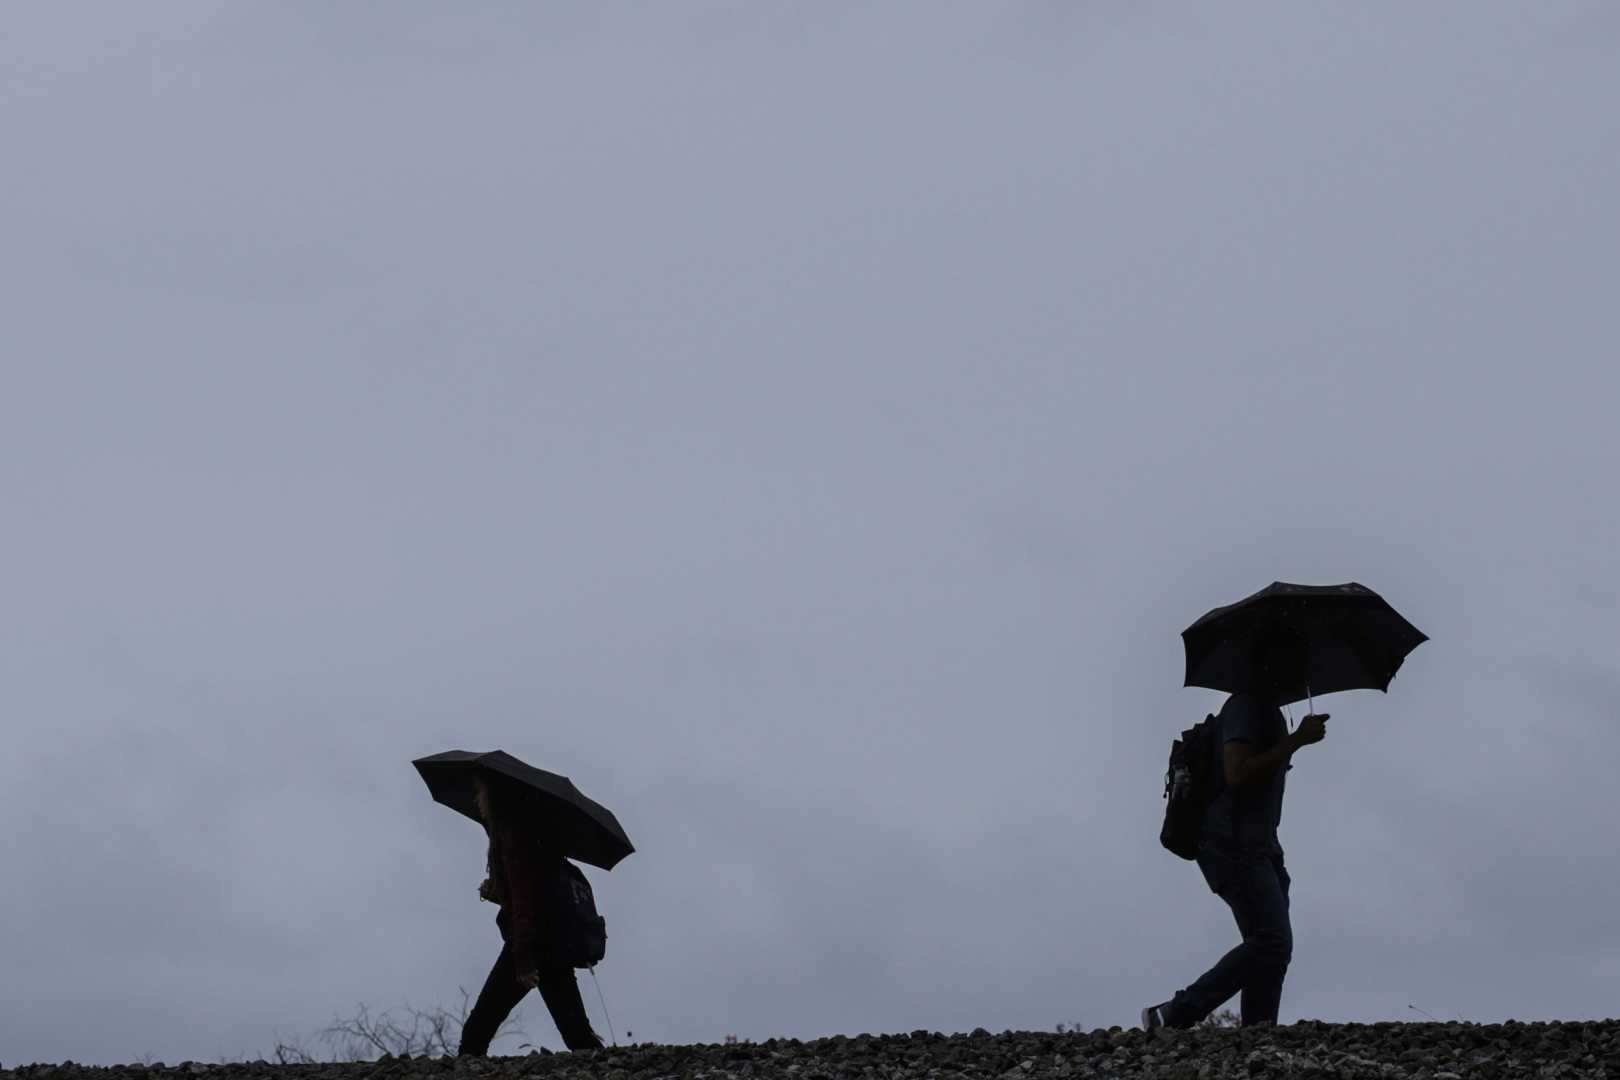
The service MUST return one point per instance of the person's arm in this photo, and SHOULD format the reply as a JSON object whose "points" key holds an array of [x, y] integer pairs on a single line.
{"points": [[1244, 767], [522, 901]]}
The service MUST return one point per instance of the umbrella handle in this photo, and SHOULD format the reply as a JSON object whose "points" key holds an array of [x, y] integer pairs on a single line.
{"points": [[1310, 704]]}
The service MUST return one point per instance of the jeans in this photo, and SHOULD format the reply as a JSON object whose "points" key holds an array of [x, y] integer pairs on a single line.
{"points": [[1249, 875], [501, 994]]}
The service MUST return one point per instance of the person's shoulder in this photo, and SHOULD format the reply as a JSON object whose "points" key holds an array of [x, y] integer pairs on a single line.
{"points": [[1240, 717], [1243, 705]]}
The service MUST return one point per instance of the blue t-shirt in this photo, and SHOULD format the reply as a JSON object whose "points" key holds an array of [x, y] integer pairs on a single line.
{"points": [[1254, 809]]}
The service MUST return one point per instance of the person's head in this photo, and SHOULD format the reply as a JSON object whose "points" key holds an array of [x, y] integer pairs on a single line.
{"points": [[1279, 658], [504, 805], [499, 801]]}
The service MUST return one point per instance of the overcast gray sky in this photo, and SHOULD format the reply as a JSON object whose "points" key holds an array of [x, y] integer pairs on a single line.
{"points": [[810, 428]]}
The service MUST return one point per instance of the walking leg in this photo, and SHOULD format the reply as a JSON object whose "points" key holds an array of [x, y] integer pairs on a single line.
{"points": [[560, 989], [1214, 987], [1250, 884], [495, 1003], [1271, 934]]}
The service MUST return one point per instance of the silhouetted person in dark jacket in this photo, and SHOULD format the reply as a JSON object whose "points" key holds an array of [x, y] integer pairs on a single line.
{"points": [[1239, 854], [520, 865]]}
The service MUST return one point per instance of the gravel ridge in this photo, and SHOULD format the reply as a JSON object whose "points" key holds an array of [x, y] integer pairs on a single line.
{"points": [[1385, 1051]]}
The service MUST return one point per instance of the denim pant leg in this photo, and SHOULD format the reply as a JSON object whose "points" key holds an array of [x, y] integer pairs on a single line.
{"points": [[1269, 926], [1253, 881]]}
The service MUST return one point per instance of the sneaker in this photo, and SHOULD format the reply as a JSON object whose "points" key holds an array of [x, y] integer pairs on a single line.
{"points": [[1153, 1017]]}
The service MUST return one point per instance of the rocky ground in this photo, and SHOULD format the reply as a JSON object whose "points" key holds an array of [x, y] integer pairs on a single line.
{"points": [[1428, 1051]]}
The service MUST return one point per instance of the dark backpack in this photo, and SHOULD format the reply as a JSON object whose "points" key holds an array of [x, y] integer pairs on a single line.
{"points": [[580, 934], [1194, 779]]}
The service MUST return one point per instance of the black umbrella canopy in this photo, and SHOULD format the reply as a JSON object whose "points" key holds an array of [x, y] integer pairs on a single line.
{"points": [[1352, 640], [583, 829]]}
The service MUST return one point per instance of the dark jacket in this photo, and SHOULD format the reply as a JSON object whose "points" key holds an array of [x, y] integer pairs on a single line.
{"points": [[521, 873]]}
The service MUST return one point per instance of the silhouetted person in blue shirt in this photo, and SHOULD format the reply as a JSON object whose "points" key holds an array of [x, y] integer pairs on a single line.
{"points": [[1239, 854]]}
